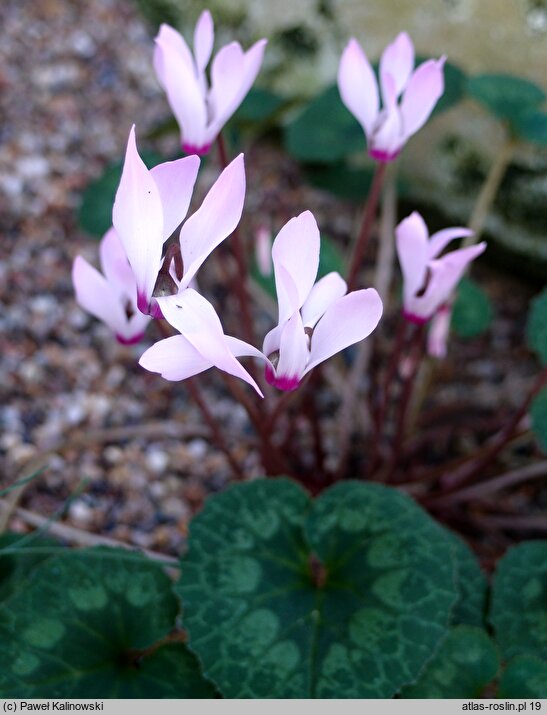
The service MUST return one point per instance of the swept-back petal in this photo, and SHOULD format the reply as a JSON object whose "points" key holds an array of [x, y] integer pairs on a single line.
{"points": [[98, 297], [349, 319], [446, 273], [397, 61], [226, 95], [182, 86], [358, 87], [440, 240], [422, 93], [195, 318], [293, 355], [322, 296], [169, 37], [216, 218], [296, 251], [175, 181], [115, 265], [174, 358], [138, 219], [412, 248], [204, 35]]}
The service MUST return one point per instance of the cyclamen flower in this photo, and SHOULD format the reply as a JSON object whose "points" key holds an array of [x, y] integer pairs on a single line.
{"points": [[151, 204], [408, 95], [428, 280], [439, 330], [111, 297], [201, 345], [201, 111], [316, 320]]}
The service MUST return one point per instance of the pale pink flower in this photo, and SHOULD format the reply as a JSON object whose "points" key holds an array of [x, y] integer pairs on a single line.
{"points": [[202, 110], [408, 95], [428, 277], [316, 320], [150, 206], [201, 345], [439, 330], [263, 251], [111, 296]]}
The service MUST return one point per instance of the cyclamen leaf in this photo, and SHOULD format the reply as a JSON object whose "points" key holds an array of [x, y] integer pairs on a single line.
{"points": [[470, 609], [464, 664], [473, 312], [324, 131], [531, 126], [506, 96], [536, 328], [260, 105], [18, 564], [345, 596], [519, 598], [538, 412], [84, 625], [524, 677]]}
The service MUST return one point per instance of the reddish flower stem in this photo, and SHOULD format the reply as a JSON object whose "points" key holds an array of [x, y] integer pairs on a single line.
{"points": [[239, 284], [491, 486], [197, 397], [467, 471], [417, 344], [369, 216]]}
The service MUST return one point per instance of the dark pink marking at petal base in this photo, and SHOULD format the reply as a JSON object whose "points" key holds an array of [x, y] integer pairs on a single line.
{"points": [[416, 319], [130, 341], [285, 383], [199, 150], [149, 307], [379, 155]]}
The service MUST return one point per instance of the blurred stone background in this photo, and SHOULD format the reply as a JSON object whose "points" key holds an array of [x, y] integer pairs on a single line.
{"points": [[447, 161]]}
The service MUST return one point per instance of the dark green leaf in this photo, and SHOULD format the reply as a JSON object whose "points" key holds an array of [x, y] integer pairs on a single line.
{"points": [[18, 564], [95, 214], [470, 608], [473, 312], [507, 97], [325, 131], [538, 412], [258, 106], [341, 180], [519, 601], [536, 328], [464, 664], [83, 625], [524, 677], [346, 596], [532, 126]]}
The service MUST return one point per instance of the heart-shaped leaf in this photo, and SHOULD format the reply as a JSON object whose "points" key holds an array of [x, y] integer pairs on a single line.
{"points": [[464, 664], [473, 312], [519, 601], [87, 625], [21, 555], [536, 327], [538, 412], [524, 677], [531, 126], [346, 596], [324, 131], [470, 609], [506, 96]]}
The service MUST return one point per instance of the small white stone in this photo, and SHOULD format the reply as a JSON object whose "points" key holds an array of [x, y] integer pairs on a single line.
{"points": [[157, 460]]}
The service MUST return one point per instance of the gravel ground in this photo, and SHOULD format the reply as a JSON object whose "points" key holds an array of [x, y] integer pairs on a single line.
{"points": [[77, 75]]}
